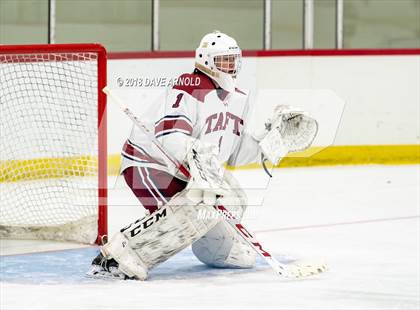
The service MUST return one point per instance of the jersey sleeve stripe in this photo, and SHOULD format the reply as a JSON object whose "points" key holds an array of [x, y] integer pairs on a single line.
{"points": [[136, 154], [169, 117], [138, 147], [173, 131], [173, 125], [123, 154]]}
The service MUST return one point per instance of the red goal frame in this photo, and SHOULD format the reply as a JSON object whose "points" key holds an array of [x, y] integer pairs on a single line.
{"points": [[102, 115]]}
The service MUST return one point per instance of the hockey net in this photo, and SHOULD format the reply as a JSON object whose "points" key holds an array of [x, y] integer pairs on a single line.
{"points": [[53, 142]]}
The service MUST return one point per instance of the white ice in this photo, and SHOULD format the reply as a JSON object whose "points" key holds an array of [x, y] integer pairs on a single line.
{"points": [[362, 220]]}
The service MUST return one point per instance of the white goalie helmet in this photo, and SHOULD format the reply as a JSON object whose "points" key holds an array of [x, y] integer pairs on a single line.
{"points": [[219, 57]]}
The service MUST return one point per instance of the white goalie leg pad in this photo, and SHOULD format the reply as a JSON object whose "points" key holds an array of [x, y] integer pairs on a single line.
{"points": [[155, 238], [128, 261], [222, 247]]}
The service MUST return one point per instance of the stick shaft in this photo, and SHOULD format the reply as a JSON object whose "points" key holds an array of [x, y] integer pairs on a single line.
{"points": [[278, 267], [146, 130]]}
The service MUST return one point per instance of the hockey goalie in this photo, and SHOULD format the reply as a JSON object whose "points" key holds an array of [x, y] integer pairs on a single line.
{"points": [[202, 125]]}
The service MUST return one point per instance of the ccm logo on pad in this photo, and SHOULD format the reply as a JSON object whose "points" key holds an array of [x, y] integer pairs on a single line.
{"points": [[140, 226]]}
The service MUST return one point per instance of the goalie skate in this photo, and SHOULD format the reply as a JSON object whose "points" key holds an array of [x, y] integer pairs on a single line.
{"points": [[103, 268]]}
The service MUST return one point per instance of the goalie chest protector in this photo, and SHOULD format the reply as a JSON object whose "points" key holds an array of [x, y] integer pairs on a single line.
{"points": [[196, 108]]}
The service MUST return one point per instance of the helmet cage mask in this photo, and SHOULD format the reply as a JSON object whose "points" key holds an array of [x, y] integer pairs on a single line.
{"points": [[228, 63], [219, 57]]}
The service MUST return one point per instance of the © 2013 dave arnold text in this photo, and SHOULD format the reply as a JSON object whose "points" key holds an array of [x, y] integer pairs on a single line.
{"points": [[157, 81]]}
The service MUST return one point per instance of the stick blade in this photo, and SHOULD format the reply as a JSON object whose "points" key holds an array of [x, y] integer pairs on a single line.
{"points": [[303, 269]]}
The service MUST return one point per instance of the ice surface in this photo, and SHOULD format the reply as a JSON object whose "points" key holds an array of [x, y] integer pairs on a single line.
{"points": [[364, 221]]}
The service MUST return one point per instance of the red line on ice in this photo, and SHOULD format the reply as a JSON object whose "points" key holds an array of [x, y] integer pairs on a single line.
{"points": [[339, 224]]}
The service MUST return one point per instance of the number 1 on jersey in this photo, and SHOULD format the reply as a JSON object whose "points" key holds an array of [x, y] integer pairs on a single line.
{"points": [[178, 100]]}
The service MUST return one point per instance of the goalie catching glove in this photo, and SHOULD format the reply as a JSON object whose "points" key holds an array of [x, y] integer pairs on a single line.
{"points": [[289, 130]]}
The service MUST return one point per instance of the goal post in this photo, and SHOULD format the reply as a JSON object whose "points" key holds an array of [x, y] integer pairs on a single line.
{"points": [[53, 142]]}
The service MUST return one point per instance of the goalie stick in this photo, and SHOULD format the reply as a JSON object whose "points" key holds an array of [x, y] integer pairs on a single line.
{"points": [[286, 270], [292, 270]]}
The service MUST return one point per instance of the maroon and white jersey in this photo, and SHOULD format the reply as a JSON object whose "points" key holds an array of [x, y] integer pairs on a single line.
{"points": [[194, 108]]}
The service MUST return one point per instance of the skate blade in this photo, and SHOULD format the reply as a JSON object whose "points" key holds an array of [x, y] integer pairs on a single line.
{"points": [[97, 272]]}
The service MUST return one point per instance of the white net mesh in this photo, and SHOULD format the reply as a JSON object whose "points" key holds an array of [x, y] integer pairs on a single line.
{"points": [[49, 146]]}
